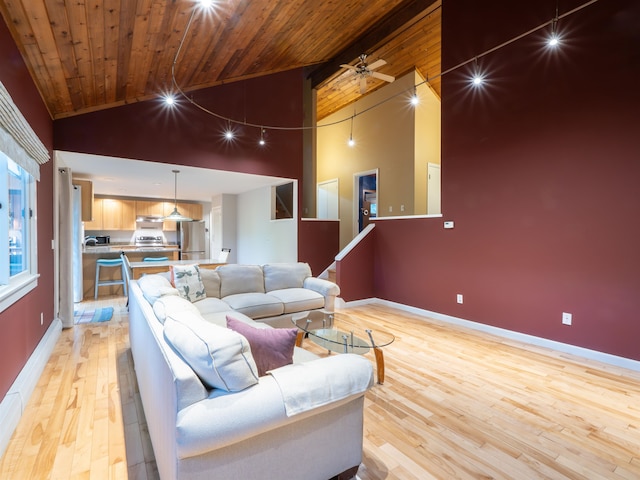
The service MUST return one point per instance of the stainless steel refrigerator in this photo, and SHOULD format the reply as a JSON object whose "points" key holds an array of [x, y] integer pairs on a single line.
{"points": [[192, 240]]}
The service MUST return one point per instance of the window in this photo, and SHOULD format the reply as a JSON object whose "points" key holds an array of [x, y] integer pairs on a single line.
{"points": [[17, 230]]}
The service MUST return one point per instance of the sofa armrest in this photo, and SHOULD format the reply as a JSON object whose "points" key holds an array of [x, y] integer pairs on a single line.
{"points": [[224, 419], [327, 289]]}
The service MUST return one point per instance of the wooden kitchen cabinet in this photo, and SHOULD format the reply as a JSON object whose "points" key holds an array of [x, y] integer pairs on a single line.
{"points": [[118, 214], [191, 210], [96, 222], [86, 198], [146, 208], [112, 214]]}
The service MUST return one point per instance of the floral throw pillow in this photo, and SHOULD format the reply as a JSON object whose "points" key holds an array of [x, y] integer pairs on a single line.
{"points": [[187, 280]]}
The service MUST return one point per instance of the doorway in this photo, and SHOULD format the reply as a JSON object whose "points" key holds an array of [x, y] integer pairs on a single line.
{"points": [[365, 199]]}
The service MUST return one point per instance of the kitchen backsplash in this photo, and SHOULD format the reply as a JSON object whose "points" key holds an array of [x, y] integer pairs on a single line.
{"points": [[123, 237]]}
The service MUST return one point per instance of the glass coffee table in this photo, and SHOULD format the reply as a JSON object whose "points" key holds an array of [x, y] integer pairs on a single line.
{"points": [[358, 340]]}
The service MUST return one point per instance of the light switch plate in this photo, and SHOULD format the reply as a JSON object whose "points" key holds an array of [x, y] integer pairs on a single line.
{"points": [[448, 224]]}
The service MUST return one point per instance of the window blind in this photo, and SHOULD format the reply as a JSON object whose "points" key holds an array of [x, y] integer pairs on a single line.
{"points": [[17, 139]]}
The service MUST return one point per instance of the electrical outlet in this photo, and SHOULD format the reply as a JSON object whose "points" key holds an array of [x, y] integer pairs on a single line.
{"points": [[390, 209], [566, 318], [459, 298]]}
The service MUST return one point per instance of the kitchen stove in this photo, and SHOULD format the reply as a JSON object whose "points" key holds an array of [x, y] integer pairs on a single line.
{"points": [[149, 241]]}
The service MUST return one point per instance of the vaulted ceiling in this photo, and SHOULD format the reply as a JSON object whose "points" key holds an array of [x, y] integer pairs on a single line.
{"points": [[96, 54]]}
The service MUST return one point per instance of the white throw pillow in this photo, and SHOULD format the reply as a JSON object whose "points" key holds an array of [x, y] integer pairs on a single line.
{"points": [[186, 278], [172, 305], [154, 286], [219, 356]]}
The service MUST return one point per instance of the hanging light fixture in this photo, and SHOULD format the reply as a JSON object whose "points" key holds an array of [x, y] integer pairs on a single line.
{"points": [[176, 216]]}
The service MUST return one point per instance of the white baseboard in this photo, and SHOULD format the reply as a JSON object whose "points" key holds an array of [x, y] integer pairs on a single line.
{"points": [[501, 332], [14, 402]]}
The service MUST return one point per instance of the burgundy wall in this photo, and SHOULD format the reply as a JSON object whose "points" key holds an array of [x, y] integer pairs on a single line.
{"points": [[20, 323], [355, 273], [540, 172], [189, 136], [318, 243]]}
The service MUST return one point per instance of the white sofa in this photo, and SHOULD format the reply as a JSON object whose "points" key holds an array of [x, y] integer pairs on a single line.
{"points": [[269, 293], [299, 421]]}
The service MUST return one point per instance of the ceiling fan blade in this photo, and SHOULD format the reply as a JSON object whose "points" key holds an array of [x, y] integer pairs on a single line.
{"points": [[382, 76], [350, 67], [363, 85], [376, 64]]}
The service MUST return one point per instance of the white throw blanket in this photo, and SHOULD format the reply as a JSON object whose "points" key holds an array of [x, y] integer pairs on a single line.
{"points": [[309, 385]]}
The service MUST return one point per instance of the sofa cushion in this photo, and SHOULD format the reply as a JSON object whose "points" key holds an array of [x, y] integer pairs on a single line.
{"points": [[236, 279], [211, 282], [285, 275], [211, 305], [255, 305], [219, 356], [298, 299], [172, 304], [186, 278], [154, 286], [220, 319], [270, 347]]}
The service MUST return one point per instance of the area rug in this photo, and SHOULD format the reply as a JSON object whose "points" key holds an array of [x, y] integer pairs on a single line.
{"points": [[93, 316]]}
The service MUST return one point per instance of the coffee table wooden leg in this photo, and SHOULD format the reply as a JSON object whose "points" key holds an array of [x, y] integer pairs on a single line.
{"points": [[379, 364], [299, 338]]}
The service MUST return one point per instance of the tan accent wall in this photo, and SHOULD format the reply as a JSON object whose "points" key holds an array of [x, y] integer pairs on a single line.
{"points": [[391, 136]]}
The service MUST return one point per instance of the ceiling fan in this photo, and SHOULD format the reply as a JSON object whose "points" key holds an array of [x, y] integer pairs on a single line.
{"points": [[364, 70]]}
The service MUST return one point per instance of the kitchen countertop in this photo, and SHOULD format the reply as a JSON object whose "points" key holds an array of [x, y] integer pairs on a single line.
{"points": [[110, 248], [167, 263]]}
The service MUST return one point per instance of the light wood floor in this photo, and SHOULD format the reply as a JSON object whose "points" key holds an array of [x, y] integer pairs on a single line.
{"points": [[455, 404]]}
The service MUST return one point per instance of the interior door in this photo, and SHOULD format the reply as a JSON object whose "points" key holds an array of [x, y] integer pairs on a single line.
{"points": [[365, 189], [327, 200], [433, 189], [368, 209]]}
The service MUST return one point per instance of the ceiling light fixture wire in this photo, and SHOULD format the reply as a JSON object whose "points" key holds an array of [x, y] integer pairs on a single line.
{"points": [[313, 127]]}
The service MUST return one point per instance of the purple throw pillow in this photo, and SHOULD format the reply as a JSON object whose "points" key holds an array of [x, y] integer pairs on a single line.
{"points": [[271, 347]]}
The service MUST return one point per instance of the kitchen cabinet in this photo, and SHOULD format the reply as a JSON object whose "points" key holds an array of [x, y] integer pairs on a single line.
{"points": [[118, 214], [96, 221], [112, 214], [86, 198], [191, 210], [147, 208]]}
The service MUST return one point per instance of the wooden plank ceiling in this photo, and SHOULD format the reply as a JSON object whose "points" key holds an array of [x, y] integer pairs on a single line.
{"points": [[87, 56]]}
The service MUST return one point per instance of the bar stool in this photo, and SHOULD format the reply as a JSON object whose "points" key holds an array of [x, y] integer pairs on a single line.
{"points": [[109, 263], [155, 259]]}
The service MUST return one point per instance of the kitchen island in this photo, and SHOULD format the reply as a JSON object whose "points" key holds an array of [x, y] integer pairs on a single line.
{"points": [[134, 253]]}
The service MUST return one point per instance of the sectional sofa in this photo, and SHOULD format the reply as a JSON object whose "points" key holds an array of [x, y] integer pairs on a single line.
{"points": [[269, 293], [211, 414]]}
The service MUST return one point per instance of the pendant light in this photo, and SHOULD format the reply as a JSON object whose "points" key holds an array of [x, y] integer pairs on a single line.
{"points": [[176, 216]]}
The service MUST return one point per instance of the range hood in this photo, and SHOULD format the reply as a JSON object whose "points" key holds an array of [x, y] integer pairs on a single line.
{"points": [[149, 219]]}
